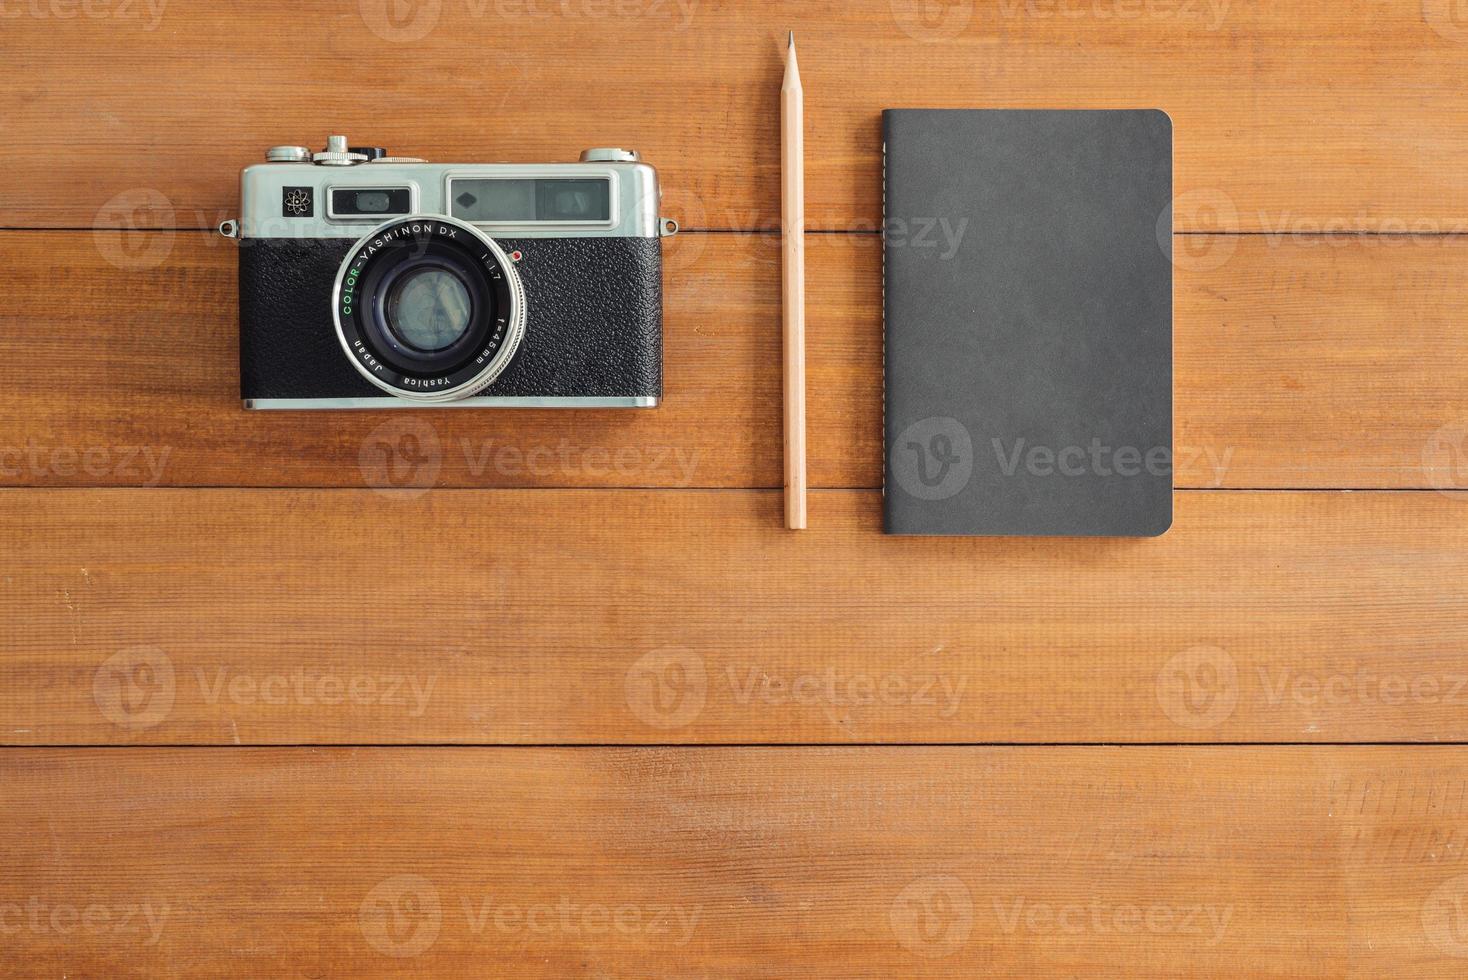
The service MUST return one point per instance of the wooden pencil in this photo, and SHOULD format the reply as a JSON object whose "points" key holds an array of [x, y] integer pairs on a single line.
{"points": [[792, 226]]}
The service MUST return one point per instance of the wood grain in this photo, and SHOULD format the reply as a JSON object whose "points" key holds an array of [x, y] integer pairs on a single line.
{"points": [[1288, 116], [269, 617], [852, 863], [1300, 362], [172, 578]]}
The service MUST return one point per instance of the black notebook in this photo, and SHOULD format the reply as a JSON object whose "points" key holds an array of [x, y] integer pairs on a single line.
{"points": [[1028, 322]]}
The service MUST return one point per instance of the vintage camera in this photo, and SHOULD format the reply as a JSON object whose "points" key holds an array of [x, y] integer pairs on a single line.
{"points": [[373, 281]]}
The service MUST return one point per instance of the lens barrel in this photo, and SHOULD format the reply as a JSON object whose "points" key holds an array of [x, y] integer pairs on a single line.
{"points": [[428, 308]]}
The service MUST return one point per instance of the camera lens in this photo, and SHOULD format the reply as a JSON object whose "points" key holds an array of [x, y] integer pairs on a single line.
{"points": [[428, 309]]}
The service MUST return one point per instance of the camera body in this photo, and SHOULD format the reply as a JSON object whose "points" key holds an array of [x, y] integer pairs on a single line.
{"points": [[371, 281]]}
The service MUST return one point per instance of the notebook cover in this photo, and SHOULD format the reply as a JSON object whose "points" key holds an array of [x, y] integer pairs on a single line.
{"points": [[1028, 322]]}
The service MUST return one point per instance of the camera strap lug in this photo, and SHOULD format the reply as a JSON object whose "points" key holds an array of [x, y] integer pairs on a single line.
{"points": [[667, 227]]}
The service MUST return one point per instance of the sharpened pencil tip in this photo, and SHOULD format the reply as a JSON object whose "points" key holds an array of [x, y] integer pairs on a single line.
{"points": [[792, 40]]}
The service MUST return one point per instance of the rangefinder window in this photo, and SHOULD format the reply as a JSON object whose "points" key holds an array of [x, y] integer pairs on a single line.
{"points": [[522, 199], [370, 202]]}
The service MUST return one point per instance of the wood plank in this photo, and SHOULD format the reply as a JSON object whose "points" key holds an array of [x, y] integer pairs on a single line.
{"points": [[852, 863], [1288, 116], [237, 616], [1300, 362], [154, 367]]}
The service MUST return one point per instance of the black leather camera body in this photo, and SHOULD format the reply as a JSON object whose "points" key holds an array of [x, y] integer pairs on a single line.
{"points": [[370, 281]]}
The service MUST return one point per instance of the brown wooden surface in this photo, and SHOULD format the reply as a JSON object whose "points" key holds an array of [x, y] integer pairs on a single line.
{"points": [[183, 584], [870, 862], [252, 617], [1301, 362], [1291, 116]]}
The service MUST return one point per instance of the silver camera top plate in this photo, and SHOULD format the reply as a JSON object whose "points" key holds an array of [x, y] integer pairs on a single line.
{"points": [[345, 191]]}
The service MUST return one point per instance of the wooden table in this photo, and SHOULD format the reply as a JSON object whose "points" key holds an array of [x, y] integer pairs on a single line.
{"points": [[583, 708]]}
